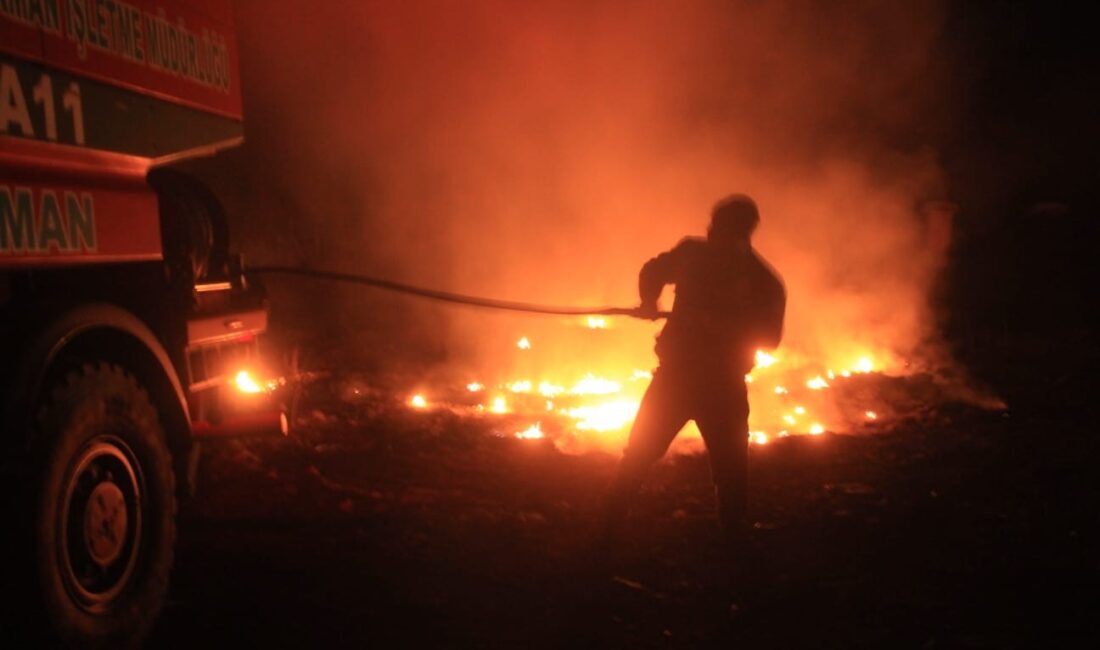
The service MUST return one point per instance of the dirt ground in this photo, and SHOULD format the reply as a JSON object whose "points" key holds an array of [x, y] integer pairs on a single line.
{"points": [[375, 524]]}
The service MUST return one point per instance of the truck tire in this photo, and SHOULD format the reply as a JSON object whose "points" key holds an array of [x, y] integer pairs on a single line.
{"points": [[104, 511]]}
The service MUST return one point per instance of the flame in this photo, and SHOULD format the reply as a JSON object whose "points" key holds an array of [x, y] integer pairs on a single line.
{"points": [[596, 322], [592, 385], [764, 360], [594, 402], [246, 384], [609, 416], [546, 389], [523, 386], [533, 432]]}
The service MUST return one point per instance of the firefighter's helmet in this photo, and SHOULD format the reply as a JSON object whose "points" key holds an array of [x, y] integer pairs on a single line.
{"points": [[736, 216]]}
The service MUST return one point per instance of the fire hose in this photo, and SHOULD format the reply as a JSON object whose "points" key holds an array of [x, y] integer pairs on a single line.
{"points": [[456, 298]]}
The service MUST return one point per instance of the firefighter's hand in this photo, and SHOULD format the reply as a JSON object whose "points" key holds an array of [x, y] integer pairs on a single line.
{"points": [[648, 311]]}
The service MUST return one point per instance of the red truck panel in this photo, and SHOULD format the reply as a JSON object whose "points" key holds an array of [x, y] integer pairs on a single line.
{"points": [[184, 52], [48, 223], [87, 207], [150, 78], [19, 39], [92, 93]]}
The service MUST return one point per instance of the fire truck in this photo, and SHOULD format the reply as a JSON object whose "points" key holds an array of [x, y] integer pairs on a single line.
{"points": [[128, 330]]}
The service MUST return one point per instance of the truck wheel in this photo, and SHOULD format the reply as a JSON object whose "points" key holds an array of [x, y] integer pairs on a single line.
{"points": [[104, 510]]}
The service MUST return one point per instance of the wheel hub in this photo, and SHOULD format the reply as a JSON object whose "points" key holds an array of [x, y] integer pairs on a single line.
{"points": [[101, 522], [105, 523]]}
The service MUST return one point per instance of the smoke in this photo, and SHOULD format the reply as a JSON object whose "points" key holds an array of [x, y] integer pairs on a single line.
{"points": [[542, 151]]}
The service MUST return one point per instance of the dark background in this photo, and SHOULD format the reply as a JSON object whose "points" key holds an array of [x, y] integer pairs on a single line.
{"points": [[1023, 164]]}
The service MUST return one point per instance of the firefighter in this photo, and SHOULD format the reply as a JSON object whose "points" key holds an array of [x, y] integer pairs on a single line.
{"points": [[729, 303]]}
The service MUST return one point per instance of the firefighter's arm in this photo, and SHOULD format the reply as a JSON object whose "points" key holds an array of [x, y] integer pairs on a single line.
{"points": [[655, 274]]}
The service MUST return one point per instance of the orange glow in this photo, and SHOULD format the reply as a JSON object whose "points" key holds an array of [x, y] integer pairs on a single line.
{"points": [[418, 401], [566, 213], [817, 383], [817, 429], [758, 437], [871, 415]]}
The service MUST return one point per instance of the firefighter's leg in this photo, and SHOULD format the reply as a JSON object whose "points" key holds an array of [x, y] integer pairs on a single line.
{"points": [[661, 415], [723, 421]]}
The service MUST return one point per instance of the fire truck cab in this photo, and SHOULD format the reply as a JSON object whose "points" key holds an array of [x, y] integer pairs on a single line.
{"points": [[128, 331]]}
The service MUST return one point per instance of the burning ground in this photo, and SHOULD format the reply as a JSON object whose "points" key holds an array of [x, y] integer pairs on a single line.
{"points": [[379, 521]]}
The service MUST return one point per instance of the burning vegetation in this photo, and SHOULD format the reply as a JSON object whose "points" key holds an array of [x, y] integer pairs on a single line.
{"points": [[589, 402]]}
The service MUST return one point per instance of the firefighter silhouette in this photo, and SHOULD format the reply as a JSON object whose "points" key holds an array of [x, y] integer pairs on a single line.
{"points": [[729, 303]]}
